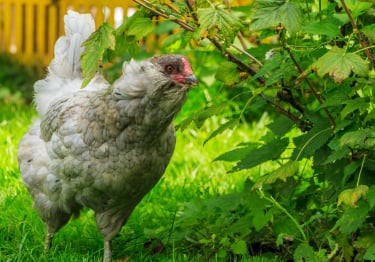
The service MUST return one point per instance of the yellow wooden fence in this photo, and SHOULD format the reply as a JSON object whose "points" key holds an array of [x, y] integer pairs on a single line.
{"points": [[29, 28]]}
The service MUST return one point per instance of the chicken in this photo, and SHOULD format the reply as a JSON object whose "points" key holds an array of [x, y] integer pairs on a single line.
{"points": [[105, 146]]}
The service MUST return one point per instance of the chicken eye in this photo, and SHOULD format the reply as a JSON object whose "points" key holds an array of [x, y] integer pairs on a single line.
{"points": [[169, 69]]}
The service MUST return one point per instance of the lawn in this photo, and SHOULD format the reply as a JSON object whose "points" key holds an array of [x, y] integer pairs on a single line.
{"points": [[153, 232]]}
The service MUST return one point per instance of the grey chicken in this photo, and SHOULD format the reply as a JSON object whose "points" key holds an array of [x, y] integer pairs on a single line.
{"points": [[105, 146]]}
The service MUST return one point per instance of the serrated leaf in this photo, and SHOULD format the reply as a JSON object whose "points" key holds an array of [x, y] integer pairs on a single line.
{"points": [[364, 139], [307, 144], [165, 27], [95, 46], [140, 27], [329, 27], [339, 64], [336, 98], [215, 17], [271, 64], [284, 225], [337, 155], [280, 126], [261, 219], [351, 196], [228, 125], [201, 116], [370, 253], [358, 7], [371, 197], [365, 240], [236, 154], [352, 218], [369, 32], [359, 103], [304, 252], [173, 39], [239, 247], [282, 173], [269, 151], [349, 170], [347, 248], [334, 145], [228, 73], [270, 13]]}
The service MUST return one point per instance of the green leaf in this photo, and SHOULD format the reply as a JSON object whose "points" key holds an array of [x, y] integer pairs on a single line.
{"points": [[95, 46], [228, 125], [269, 151], [352, 218], [358, 7], [270, 13], [282, 173], [360, 103], [339, 64], [201, 116], [347, 248], [284, 225], [369, 32], [173, 39], [165, 27], [261, 219], [304, 252], [371, 197], [215, 17], [329, 27], [365, 240], [308, 144], [364, 139], [370, 253], [237, 154], [281, 125], [140, 27], [337, 151], [351, 196], [239, 247], [228, 73]]}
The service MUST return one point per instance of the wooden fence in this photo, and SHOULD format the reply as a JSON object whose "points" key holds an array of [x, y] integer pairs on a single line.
{"points": [[29, 28]]}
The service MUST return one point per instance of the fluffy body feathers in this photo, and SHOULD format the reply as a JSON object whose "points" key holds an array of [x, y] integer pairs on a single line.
{"points": [[103, 147]]}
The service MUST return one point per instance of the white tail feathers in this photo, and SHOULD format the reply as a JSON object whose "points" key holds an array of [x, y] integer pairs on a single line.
{"points": [[64, 72]]}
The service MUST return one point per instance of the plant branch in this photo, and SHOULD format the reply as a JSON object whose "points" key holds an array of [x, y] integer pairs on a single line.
{"points": [[161, 13], [285, 211], [302, 124], [310, 85], [361, 38]]}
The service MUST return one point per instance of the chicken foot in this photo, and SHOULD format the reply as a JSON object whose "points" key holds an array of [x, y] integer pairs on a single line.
{"points": [[107, 255], [48, 240]]}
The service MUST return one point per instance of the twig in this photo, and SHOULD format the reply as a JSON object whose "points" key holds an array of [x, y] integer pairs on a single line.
{"points": [[150, 7], [311, 86], [302, 124], [242, 51], [362, 40], [241, 65]]}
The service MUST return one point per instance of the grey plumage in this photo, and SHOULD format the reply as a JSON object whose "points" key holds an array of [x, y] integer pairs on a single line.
{"points": [[103, 147]]}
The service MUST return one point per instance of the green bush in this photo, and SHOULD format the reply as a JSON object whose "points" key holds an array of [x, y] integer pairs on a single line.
{"points": [[17, 79]]}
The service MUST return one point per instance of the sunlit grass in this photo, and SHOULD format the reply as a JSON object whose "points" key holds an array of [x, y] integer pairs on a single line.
{"points": [[192, 174]]}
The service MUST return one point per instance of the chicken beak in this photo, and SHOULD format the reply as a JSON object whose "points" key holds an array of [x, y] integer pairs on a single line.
{"points": [[191, 80]]}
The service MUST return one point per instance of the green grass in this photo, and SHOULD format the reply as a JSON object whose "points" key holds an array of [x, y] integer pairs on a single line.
{"points": [[192, 174]]}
